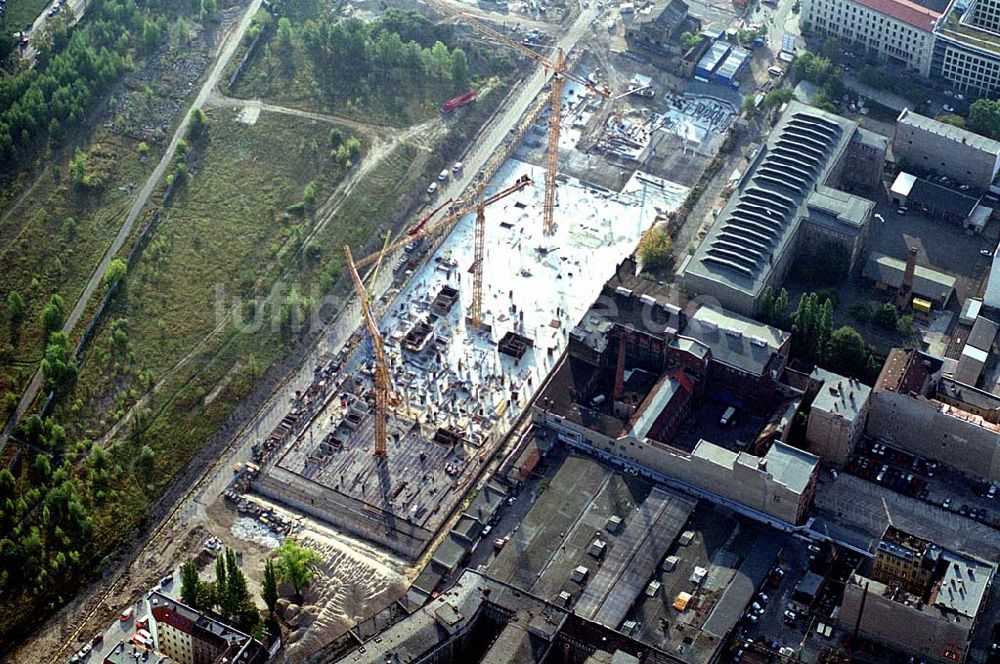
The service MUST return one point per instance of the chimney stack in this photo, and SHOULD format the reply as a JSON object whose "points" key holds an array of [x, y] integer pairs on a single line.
{"points": [[905, 292], [620, 369]]}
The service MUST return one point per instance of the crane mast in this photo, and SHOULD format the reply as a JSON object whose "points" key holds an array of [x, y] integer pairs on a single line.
{"points": [[383, 379], [552, 156], [560, 76], [425, 228]]}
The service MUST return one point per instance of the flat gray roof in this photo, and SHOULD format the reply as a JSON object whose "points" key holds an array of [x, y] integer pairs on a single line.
{"points": [[927, 283], [790, 466], [838, 209], [736, 340], [626, 571], [755, 227], [949, 131], [963, 586], [741, 589], [839, 395]]}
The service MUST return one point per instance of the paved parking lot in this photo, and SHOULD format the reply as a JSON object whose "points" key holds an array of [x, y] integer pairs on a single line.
{"points": [[942, 245], [934, 484], [856, 511]]}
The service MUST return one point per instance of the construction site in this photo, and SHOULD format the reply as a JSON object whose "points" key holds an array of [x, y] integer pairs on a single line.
{"points": [[459, 386]]}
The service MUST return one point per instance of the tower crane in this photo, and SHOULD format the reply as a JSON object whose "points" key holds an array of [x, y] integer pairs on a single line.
{"points": [[557, 66], [425, 228], [384, 394]]}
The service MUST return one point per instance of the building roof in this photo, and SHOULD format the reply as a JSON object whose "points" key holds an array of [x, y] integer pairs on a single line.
{"points": [[733, 62], [945, 130], [790, 466], [736, 340], [669, 18], [984, 331], [927, 283], [991, 297], [624, 574], [963, 587], [838, 210], [450, 552], [750, 575], [910, 13], [660, 397], [487, 502], [235, 646], [714, 55], [758, 223], [970, 365], [938, 197], [969, 395], [840, 396], [903, 183]]}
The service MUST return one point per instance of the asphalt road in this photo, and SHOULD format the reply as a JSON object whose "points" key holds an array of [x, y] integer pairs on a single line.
{"points": [[78, 7]]}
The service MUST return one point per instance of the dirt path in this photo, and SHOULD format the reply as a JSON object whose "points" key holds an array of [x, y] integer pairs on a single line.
{"points": [[379, 149], [222, 60]]}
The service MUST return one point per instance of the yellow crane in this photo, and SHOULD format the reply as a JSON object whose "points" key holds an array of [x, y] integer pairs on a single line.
{"points": [[384, 394], [558, 67], [425, 228]]}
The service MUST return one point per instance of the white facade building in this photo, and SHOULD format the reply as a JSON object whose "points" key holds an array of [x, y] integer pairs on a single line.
{"points": [[897, 30]]}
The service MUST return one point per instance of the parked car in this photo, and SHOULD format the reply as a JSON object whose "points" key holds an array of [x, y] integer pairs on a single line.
{"points": [[432, 188], [127, 614]]}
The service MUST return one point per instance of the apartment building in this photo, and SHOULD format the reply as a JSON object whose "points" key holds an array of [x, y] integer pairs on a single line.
{"points": [[900, 31], [915, 407]]}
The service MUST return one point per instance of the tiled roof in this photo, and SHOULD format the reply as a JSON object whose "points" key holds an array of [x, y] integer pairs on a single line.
{"points": [[910, 13]]}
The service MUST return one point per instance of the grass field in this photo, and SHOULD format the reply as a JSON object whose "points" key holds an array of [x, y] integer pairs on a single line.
{"points": [[21, 14], [267, 78], [224, 230], [192, 402], [56, 236]]}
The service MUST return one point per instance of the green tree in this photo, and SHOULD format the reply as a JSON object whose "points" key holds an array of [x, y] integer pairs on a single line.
{"points": [[984, 117], [53, 316], [336, 138], [779, 316], [220, 576], [190, 585], [689, 40], [196, 127], [115, 272], [309, 194], [847, 352], [778, 96], [887, 317], [151, 35], [146, 461], [294, 564], [656, 248], [208, 8], [57, 366], [78, 170], [15, 308], [459, 70], [268, 586], [860, 311]]}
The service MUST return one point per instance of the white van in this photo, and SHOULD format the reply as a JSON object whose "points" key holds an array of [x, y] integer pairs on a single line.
{"points": [[727, 416], [775, 71]]}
